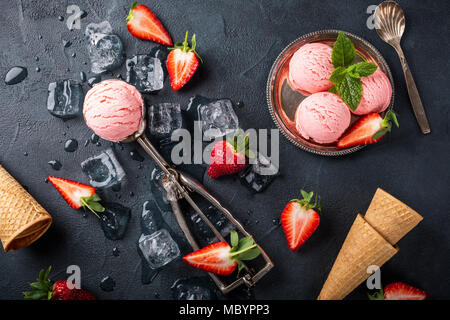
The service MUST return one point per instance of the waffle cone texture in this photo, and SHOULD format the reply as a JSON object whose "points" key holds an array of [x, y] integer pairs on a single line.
{"points": [[391, 217], [22, 219], [363, 247]]}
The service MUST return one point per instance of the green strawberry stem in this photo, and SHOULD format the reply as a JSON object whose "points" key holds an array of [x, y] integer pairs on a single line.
{"points": [[184, 47], [386, 124], [242, 251], [130, 15], [85, 204]]}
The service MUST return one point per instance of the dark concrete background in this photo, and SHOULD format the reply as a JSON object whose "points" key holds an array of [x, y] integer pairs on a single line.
{"points": [[238, 40]]}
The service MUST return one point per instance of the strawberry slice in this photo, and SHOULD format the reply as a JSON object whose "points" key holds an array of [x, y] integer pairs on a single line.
{"points": [[402, 291], [78, 195], [300, 219], [229, 156], [143, 24], [220, 258], [182, 62], [367, 130]]}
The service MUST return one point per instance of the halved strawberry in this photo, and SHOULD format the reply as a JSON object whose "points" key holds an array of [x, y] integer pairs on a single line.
{"points": [[402, 291], [229, 156], [143, 24], [182, 62], [367, 130], [220, 258], [78, 195], [300, 219]]}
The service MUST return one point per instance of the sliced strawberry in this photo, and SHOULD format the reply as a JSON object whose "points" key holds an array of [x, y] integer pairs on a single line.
{"points": [[214, 258], [182, 62], [78, 195], [367, 130], [300, 219], [402, 291], [143, 24], [220, 258]]}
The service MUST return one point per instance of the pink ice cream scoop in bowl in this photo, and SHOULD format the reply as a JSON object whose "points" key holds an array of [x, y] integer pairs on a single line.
{"points": [[307, 114]]}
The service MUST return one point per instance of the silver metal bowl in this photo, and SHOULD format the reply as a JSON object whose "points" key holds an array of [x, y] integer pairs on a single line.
{"points": [[283, 101]]}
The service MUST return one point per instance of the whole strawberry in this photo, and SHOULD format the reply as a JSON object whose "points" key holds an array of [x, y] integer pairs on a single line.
{"points": [[229, 156], [44, 289]]}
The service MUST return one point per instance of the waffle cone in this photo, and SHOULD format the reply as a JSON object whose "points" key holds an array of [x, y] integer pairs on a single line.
{"points": [[390, 217], [22, 218], [363, 247]]}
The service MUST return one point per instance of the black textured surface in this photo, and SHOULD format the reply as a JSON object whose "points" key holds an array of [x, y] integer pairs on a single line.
{"points": [[238, 41]]}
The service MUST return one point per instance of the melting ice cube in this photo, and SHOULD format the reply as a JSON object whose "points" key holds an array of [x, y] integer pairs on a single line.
{"points": [[259, 175], [65, 99], [217, 118], [151, 219], [105, 49], [104, 170], [201, 229], [164, 118], [114, 220], [145, 73], [193, 289], [159, 248]]}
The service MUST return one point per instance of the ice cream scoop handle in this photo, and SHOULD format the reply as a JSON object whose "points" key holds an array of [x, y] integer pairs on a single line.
{"points": [[414, 96], [152, 152]]}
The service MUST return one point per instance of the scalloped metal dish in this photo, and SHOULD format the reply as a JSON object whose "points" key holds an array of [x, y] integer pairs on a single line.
{"points": [[283, 101]]}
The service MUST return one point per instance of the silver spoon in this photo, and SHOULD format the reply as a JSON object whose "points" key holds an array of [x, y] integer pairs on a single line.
{"points": [[390, 25]]}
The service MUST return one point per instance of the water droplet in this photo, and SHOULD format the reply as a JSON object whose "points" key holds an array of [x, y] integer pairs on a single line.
{"points": [[116, 252], [61, 18], [15, 75], [82, 76], [55, 164], [134, 154], [276, 221], [74, 54], [46, 180], [71, 145], [240, 104], [94, 80], [25, 154], [131, 194], [66, 43], [107, 284], [36, 58], [98, 144], [83, 14], [40, 37], [38, 69], [86, 143], [94, 138]]}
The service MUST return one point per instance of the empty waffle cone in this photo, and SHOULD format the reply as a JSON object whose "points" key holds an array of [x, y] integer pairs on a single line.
{"points": [[363, 247], [22, 218], [390, 217]]}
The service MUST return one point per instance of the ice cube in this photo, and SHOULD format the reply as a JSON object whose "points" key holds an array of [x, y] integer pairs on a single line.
{"points": [[95, 31], [104, 170], [158, 248], [106, 54], [145, 73], [114, 220], [217, 118], [259, 175], [164, 118], [217, 218], [193, 289], [151, 219], [157, 189], [65, 99]]}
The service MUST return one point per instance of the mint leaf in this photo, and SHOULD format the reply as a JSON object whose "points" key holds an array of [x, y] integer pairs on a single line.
{"points": [[350, 90], [338, 75], [250, 254], [333, 89], [343, 51], [365, 69], [234, 238], [244, 243]]}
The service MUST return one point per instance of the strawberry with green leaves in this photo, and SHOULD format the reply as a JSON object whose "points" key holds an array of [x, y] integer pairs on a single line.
{"points": [[229, 156], [78, 195], [300, 219], [399, 291], [182, 62], [45, 289], [219, 258], [368, 130]]}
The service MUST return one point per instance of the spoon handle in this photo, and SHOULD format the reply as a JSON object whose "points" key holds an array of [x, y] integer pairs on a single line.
{"points": [[414, 96]]}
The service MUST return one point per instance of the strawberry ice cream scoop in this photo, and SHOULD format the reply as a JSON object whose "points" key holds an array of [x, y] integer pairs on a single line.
{"points": [[322, 117], [113, 109], [377, 91], [311, 67]]}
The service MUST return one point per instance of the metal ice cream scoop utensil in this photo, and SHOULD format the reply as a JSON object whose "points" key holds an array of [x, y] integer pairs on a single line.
{"points": [[390, 24], [178, 186]]}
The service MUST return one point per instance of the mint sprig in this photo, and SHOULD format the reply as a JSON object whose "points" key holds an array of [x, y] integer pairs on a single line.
{"points": [[92, 203], [347, 76], [306, 201], [243, 249]]}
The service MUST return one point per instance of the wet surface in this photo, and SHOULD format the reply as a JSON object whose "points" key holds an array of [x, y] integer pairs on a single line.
{"points": [[238, 40]]}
